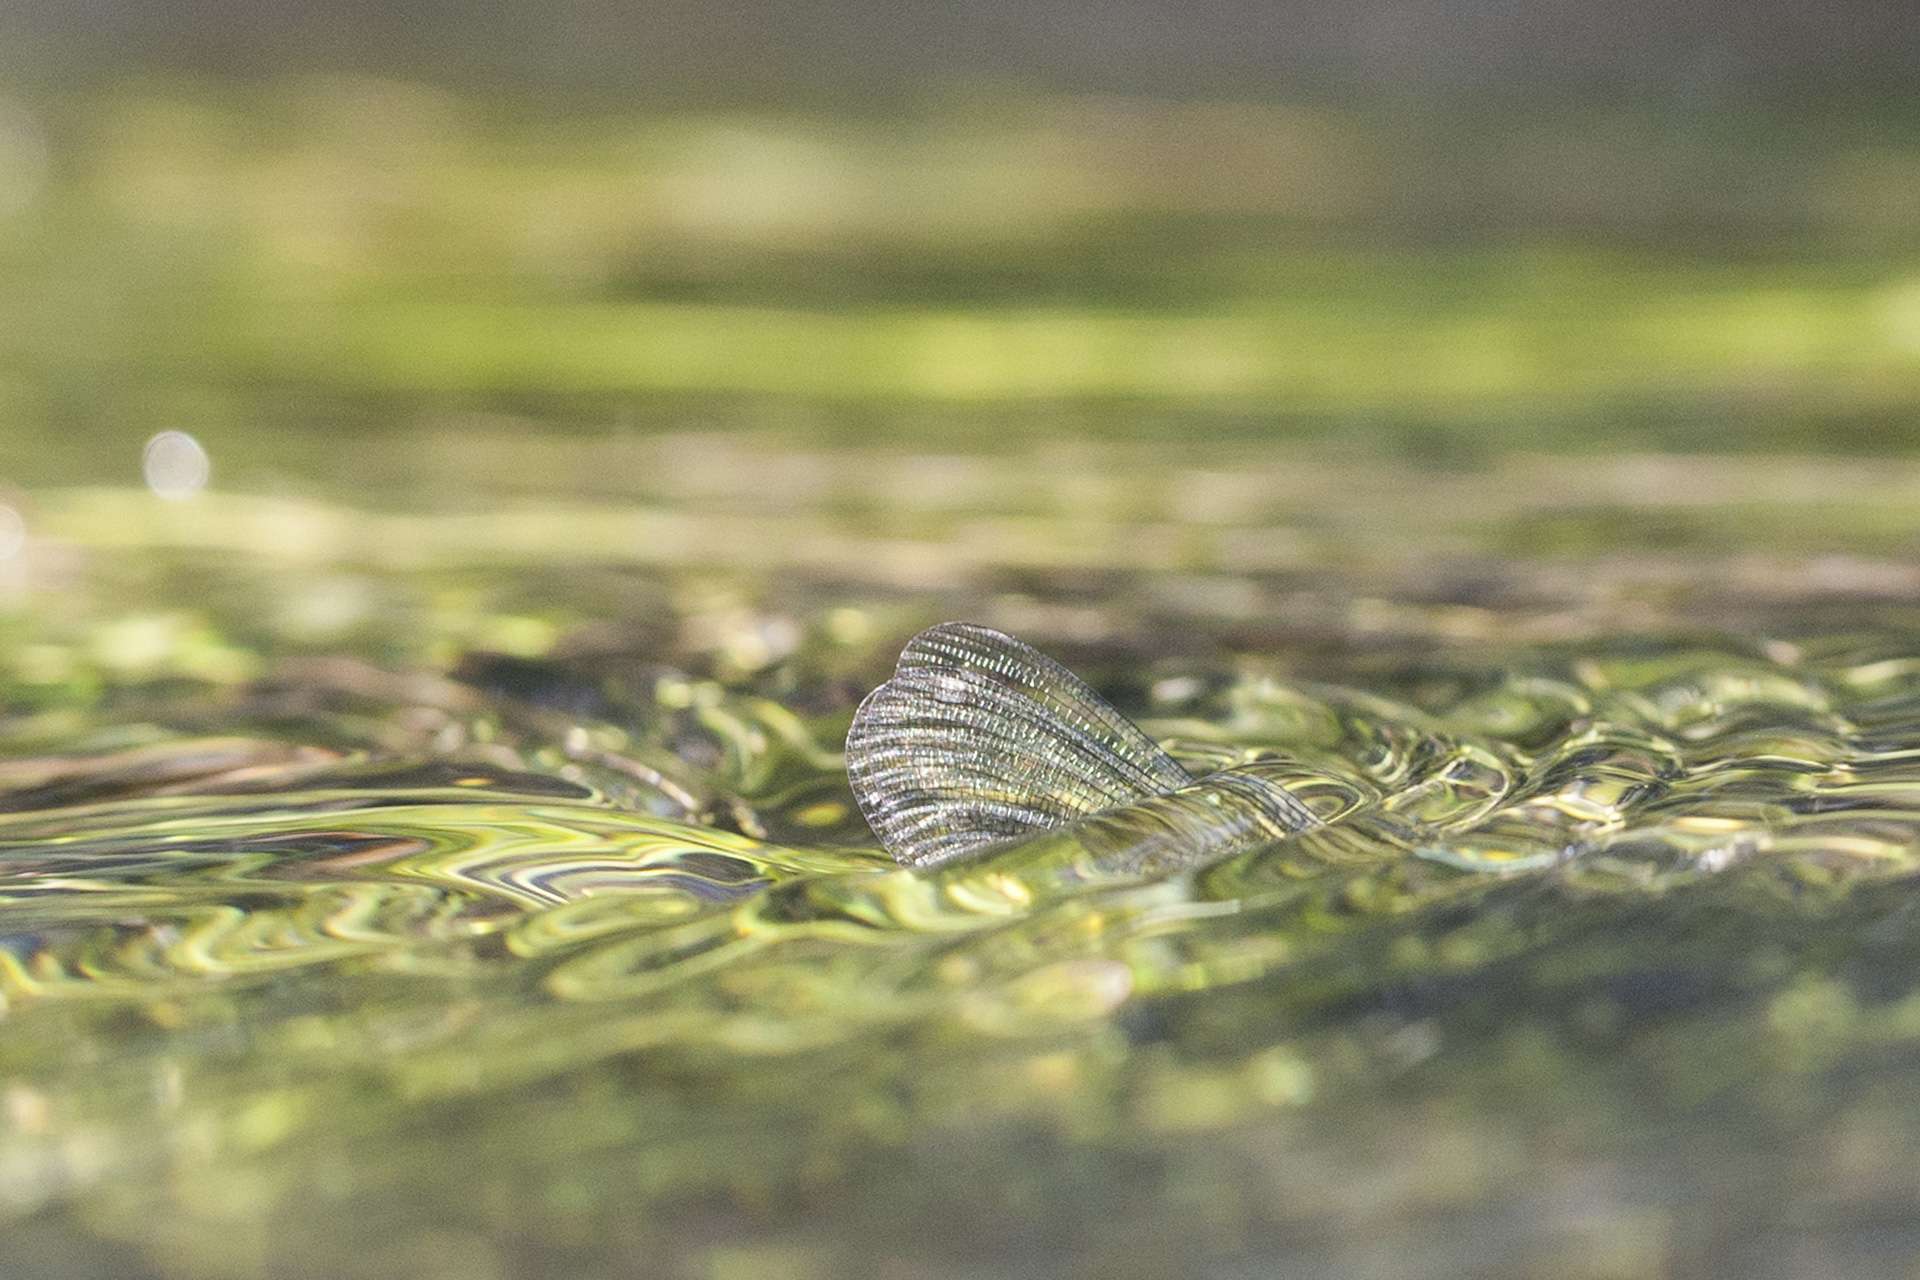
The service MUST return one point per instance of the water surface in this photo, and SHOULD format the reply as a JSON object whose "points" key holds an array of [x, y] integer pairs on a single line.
{"points": [[479, 893]]}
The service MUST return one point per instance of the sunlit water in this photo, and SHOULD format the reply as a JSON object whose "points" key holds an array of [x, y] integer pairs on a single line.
{"points": [[515, 920]]}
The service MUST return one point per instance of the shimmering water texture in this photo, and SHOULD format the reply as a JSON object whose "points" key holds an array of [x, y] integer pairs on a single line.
{"points": [[1583, 960], [978, 739]]}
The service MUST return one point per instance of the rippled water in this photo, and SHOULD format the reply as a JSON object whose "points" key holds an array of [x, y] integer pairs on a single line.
{"points": [[517, 921]]}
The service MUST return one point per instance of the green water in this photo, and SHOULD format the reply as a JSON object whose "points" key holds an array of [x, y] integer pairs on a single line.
{"points": [[410, 896]]}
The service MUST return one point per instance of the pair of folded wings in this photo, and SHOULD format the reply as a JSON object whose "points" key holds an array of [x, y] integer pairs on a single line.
{"points": [[979, 738]]}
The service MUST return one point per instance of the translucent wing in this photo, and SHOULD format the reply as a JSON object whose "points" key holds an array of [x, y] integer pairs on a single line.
{"points": [[978, 738]]}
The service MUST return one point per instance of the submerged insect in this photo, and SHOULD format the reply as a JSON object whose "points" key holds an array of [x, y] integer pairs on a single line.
{"points": [[980, 740]]}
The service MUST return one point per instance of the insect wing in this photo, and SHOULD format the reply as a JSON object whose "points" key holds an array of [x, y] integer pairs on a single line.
{"points": [[979, 738]]}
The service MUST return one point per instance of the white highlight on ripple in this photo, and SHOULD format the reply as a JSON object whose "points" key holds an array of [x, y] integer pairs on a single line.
{"points": [[176, 466], [13, 532]]}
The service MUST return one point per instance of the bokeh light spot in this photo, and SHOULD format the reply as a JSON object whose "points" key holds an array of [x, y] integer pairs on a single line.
{"points": [[175, 465], [13, 532]]}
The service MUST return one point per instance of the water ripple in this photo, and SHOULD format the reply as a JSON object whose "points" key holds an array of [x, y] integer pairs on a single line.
{"points": [[367, 896]]}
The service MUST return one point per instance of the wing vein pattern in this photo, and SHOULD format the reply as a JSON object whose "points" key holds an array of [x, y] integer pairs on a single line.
{"points": [[979, 738]]}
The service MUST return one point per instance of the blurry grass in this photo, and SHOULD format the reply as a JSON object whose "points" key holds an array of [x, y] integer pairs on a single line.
{"points": [[752, 504], [1287, 269], [1550, 330]]}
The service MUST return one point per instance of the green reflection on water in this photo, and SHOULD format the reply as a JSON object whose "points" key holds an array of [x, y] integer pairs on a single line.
{"points": [[378, 950]]}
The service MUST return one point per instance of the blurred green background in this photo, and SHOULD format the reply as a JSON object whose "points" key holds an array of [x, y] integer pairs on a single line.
{"points": [[379, 255]]}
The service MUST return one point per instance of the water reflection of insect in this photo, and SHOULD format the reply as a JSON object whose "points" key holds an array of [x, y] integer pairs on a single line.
{"points": [[979, 740]]}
